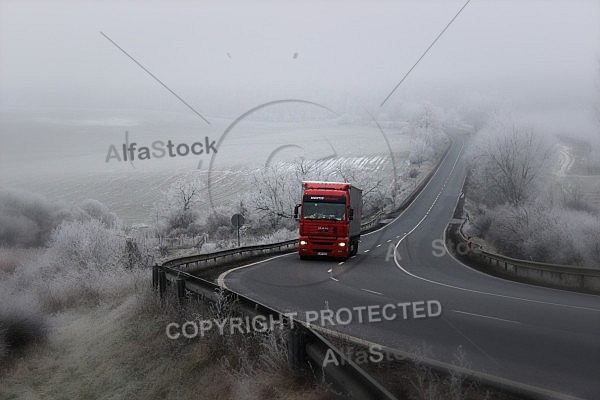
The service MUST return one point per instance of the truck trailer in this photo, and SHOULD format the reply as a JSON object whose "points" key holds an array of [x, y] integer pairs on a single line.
{"points": [[329, 219]]}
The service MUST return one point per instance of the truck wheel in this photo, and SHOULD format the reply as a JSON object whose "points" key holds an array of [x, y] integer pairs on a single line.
{"points": [[353, 249]]}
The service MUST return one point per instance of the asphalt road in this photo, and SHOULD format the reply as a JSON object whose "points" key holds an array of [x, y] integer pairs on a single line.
{"points": [[538, 336]]}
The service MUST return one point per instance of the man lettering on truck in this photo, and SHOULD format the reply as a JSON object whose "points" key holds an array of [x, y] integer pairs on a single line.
{"points": [[330, 219]]}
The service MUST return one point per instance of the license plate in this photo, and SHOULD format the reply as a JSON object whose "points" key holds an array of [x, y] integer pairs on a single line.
{"points": [[321, 253]]}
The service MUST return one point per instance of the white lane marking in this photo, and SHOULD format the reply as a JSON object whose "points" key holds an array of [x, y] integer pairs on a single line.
{"points": [[330, 269], [379, 245], [485, 316], [372, 291], [437, 170], [331, 277], [340, 263], [486, 293], [221, 279], [389, 240], [492, 276], [474, 290]]}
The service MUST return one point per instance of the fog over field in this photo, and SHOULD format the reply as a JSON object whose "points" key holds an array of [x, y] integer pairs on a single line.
{"points": [[105, 106], [67, 93]]}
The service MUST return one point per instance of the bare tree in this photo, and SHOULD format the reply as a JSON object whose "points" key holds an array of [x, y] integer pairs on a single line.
{"points": [[181, 199], [185, 193], [511, 163], [421, 151], [305, 169], [426, 123], [278, 192], [373, 187]]}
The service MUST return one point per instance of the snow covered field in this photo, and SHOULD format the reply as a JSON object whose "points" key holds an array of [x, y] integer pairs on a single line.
{"points": [[61, 154]]}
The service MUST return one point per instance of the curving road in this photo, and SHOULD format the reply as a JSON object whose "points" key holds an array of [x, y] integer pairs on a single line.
{"points": [[533, 335]]}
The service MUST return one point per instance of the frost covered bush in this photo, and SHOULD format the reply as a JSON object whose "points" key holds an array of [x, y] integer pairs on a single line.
{"points": [[86, 245], [86, 264], [280, 235], [218, 222], [545, 233], [420, 152], [84, 289], [511, 186]]}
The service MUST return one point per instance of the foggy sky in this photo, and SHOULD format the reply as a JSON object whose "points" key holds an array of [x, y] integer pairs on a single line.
{"points": [[533, 55]]}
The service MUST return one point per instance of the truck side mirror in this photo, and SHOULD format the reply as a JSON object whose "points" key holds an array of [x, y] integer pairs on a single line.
{"points": [[296, 210], [351, 215]]}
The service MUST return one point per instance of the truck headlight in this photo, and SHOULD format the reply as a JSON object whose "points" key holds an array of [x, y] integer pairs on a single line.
{"points": [[341, 244], [303, 243]]}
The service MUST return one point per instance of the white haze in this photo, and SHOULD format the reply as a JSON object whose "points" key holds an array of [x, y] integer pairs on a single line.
{"points": [[67, 93], [534, 54]]}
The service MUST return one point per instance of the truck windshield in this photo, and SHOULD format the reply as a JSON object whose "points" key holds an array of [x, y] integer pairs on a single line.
{"points": [[324, 210]]}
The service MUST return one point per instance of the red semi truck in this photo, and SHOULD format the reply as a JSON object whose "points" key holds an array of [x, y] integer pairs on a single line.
{"points": [[329, 219]]}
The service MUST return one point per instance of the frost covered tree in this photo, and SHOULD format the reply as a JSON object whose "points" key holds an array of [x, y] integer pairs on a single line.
{"points": [[510, 163], [278, 191], [420, 151], [178, 211], [425, 127], [374, 189], [426, 123]]}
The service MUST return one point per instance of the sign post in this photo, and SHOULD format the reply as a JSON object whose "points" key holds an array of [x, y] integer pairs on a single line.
{"points": [[237, 220]]}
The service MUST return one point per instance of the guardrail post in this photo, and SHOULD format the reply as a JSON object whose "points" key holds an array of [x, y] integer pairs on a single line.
{"points": [[155, 276], [180, 289], [296, 349], [162, 282]]}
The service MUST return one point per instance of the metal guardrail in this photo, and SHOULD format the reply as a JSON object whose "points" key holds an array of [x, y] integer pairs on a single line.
{"points": [[248, 251], [304, 344], [210, 259], [580, 278], [372, 221]]}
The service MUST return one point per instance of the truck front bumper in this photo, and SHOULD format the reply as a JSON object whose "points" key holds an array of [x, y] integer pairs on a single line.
{"points": [[323, 246]]}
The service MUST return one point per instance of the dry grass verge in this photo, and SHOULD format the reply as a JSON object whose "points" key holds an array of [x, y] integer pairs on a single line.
{"points": [[119, 349]]}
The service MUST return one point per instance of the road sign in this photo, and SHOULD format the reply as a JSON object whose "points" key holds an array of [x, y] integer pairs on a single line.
{"points": [[237, 220]]}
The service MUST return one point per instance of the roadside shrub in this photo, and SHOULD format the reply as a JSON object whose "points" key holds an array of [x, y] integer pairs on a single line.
{"points": [[217, 223], [539, 232], [86, 245]]}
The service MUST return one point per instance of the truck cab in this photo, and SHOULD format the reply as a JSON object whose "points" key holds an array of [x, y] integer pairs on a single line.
{"points": [[329, 218]]}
